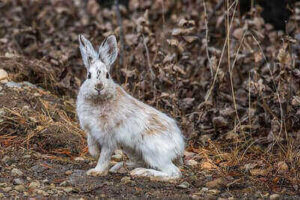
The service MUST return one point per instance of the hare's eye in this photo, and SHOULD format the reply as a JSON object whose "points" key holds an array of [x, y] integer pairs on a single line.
{"points": [[107, 75], [89, 75]]}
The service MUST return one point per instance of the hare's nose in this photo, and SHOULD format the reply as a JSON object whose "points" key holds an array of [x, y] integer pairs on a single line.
{"points": [[99, 86]]}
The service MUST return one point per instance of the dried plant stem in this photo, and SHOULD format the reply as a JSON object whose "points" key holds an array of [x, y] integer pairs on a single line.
{"points": [[221, 57], [148, 59], [206, 38], [119, 20]]}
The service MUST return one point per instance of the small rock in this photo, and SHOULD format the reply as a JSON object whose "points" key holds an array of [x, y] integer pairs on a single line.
{"points": [[282, 166], [204, 189], [188, 154], [3, 75], [20, 188], [191, 162], [16, 172], [217, 183], [3, 185], [214, 192], [27, 156], [238, 33], [45, 181], [125, 180], [42, 192], [274, 196], [7, 189], [34, 184], [68, 189], [117, 157], [207, 165], [219, 122], [68, 172], [258, 172], [249, 166], [231, 135], [183, 185], [18, 181], [79, 159], [12, 84], [64, 183], [5, 158]]}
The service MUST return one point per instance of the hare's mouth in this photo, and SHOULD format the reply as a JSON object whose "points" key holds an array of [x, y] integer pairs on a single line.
{"points": [[98, 90]]}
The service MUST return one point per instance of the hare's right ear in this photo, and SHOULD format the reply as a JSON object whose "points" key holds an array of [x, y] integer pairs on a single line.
{"points": [[87, 51]]}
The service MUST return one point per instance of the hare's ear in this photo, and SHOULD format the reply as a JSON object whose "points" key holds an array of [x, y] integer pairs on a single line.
{"points": [[87, 51], [108, 51]]}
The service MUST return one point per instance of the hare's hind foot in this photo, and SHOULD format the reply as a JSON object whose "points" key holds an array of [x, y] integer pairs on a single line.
{"points": [[95, 172], [124, 165], [160, 175]]}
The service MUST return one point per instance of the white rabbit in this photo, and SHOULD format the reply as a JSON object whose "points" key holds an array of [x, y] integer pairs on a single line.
{"points": [[114, 119]]}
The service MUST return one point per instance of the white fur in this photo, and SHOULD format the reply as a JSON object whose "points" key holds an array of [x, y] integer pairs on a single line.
{"points": [[114, 119]]}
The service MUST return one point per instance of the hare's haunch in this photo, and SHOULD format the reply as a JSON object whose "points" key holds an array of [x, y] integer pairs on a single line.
{"points": [[113, 119]]}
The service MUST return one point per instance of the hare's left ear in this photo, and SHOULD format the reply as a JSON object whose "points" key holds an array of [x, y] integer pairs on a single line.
{"points": [[108, 51], [87, 51]]}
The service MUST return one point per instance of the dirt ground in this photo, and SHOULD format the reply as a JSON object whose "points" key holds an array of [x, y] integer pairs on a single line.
{"points": [[45, 176], [47, 164]]}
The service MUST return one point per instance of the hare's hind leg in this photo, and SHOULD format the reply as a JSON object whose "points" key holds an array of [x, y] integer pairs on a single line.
{"points": [[133, 162], [168, 171]]}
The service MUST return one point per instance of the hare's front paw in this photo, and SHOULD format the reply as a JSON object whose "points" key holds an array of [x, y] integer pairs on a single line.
{"points": [[95, 172], [94, 150]]}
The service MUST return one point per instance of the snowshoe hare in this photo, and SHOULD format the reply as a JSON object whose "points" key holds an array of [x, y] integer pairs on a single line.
{"points": [[113, 119]]}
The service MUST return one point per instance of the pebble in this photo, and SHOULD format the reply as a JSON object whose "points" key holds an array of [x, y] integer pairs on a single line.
{"points": [[68, 189], [27, 156], [207, 165], [5, 158], [79, 159], [117, 157], [184, 185], [68, 172], [274, 196], [18, 181], [42, 192], [12, 84], [20, 188], [282, 166], [45, 181], [217, 183], [125, 180], [16, 172], [34, 184], [3, 184], [3, 75], [64, 183], [191, 162], [6, 189]]}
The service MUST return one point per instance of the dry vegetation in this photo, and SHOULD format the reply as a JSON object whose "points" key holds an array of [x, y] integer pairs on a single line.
{"points": [[232, 82]]}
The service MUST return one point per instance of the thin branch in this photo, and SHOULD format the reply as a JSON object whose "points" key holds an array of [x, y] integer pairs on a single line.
{"points": [[119, 20], [148, 59]]}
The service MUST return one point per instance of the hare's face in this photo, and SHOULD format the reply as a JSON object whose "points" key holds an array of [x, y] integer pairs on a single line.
{"points": [[98, 64], [98, 78]]}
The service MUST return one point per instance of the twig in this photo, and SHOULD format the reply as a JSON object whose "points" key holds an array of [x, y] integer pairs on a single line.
{"points": [[221, 57], [206, 38], [148, 59], [119, 20]]}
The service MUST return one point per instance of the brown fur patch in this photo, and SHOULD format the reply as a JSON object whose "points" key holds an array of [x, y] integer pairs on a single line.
{"points": [[155, 125], [137, 104]]}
